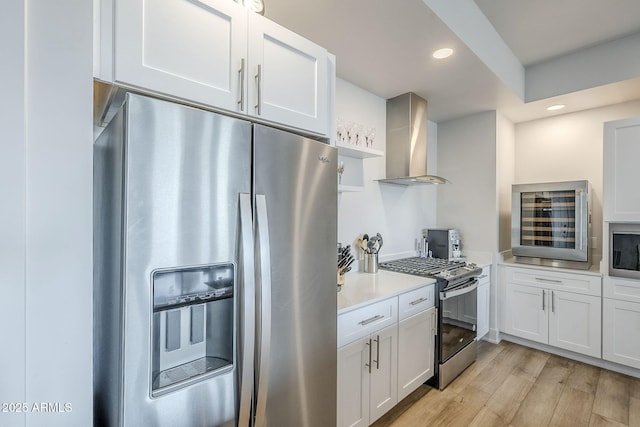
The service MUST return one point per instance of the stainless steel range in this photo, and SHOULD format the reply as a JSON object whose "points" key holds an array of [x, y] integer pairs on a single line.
{"points": [[456, 302]]}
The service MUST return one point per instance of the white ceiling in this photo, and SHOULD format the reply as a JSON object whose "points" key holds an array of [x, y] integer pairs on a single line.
{"points": [[540, 30], [504, 50]]}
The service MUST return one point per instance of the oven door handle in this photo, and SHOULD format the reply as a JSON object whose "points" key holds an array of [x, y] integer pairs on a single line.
{"points": [[445, 295]]}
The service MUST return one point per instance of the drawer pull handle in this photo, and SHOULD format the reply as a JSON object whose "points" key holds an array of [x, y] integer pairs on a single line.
{"points": [[542, 279], [418, 301], [371, 319]]}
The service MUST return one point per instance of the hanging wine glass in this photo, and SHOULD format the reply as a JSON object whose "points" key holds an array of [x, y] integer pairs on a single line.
{"points": [[371, 134], [349, 128], [359, 134], [340, 129]]}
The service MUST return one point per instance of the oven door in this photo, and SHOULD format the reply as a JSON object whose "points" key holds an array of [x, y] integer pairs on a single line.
{"points": [[458, 311]]}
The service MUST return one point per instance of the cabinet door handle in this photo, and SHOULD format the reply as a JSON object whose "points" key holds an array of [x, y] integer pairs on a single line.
{"points": [[542, 279], [377, 341], [435, 322], [259, 87], [241, 77], [543, 295], [418, 301], [369, 364], [553, 306], [371, 319]]}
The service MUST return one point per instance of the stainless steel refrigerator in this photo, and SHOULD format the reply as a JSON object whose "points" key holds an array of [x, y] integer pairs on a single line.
{"points": [[215, 269]]}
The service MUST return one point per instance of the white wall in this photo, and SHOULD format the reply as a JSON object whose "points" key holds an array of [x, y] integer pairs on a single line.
{"points": [[46, 245], [13, 210], [505, 172], [569, 147], [399, 213], [467, 157]]}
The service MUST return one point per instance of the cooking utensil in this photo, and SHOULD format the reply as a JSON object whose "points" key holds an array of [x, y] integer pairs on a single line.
{"points": [[345, 261], [362, 244]]}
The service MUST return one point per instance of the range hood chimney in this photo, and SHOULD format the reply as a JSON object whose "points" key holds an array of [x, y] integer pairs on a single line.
{"points": [[407, 142]]}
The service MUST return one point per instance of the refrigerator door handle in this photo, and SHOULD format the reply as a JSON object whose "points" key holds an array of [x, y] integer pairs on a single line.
{"points": [[247, 329], [262, 226]]}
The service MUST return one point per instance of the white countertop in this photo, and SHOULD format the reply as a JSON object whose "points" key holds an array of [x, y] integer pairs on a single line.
{"points": [[365, 288], [594, 270]]}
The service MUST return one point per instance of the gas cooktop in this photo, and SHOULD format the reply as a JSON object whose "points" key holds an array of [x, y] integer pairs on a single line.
{"points": [[432, 267]]}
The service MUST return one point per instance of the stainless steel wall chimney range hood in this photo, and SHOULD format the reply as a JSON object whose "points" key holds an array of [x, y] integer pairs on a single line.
{"points": [[407, 142]]}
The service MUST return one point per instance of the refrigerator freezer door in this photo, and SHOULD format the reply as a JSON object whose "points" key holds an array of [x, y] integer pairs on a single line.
{"points": [[298, 178], [185, 170]]}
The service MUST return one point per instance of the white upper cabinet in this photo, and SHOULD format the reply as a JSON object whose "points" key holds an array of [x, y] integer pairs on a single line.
{"points": [[621, 171], [216, 53], [287, 76], [188, 49]]}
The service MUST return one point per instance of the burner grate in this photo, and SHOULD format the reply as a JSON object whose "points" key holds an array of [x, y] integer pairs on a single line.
{"points": [[421, 266]]}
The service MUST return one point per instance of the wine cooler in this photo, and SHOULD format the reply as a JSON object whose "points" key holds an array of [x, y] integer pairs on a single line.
{"points": [[551, 223]]}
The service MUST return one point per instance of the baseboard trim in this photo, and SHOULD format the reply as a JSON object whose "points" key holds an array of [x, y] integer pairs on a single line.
{"points": [[601, 363]]}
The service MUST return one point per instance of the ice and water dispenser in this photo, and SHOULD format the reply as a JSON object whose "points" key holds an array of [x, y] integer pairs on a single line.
{"points": [[192, 325]]}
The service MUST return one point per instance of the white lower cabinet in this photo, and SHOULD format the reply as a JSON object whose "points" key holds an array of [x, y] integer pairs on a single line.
{"points": [[353, 384], [386, 350], [575, 322], [367, 378], [484, 297], [525, 313], [415, 351], [621, 325], [549, 315]]}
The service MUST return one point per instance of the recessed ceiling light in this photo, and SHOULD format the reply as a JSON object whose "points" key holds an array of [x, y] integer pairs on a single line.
{"points": [[445, 52], [555, 107]]}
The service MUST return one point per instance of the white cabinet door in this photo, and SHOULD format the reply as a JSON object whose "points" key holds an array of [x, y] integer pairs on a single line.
{"points": [[526, 313], [288, 76], [384, 372], [187, 49], [354, 383], [621, 172], [415, 351], [620, 330], [483, 309], [575, 322]]}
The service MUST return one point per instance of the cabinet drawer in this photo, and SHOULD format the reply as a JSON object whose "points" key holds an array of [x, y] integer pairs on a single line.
{"points": [[415, 301], [485, 276], [366, 320], [556, 280], [622, 289]]}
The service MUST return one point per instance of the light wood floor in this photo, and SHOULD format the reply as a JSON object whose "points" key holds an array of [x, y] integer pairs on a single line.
{"points": [[512, 385]]}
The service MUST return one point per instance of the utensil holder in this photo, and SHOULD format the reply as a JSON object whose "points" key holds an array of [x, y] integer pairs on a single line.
{"points": [[371, 263]]}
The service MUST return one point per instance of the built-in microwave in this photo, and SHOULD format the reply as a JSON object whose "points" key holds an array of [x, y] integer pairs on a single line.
{"points": [[551, 223], [624, 250]]}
